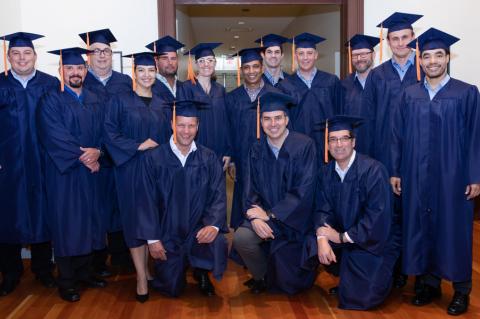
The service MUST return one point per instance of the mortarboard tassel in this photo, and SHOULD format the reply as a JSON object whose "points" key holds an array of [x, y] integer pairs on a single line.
{"points": [[326, 142], [134, 83], [261, 41], [293, 54], [155, 47], [190, 74], [5, 56], [88, 48], [258, 118], [381, 43], [349, 58], [62, 80], [417, 57], [174, 123], [238, 70]]}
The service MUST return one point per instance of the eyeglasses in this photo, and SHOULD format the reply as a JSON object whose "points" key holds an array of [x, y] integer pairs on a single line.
{"points": [[342, 139], [206, 61], [106, 52], [361, 55]]}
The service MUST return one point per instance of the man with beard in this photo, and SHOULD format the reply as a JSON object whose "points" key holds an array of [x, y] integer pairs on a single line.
{"points": [[242, 118], [435, 154], [22, 188], [362, 57], [272, 55], [106, 83], [70, 126]]}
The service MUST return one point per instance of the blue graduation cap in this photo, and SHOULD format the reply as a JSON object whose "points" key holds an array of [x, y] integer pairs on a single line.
{"points": [[274, 101], [21, 39], [361, 41], [187, 108], [271, 40], [143, 58], [249, 55], [101, 36], [434, 39], [165, 44], [203, 49], [307, 40], [72, 56], [399, 21]]}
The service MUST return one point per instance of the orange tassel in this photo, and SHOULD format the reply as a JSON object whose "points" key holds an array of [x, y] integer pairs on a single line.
{"points": [[134, 83], [349, 58], [261, 41], [381, 44], [5, 56], [417, 57], [190, 73], [174, 123], [293, 54], [238, 70], [155, 47], [88, 48], [326, 142], [62, 80], [258, 118]]}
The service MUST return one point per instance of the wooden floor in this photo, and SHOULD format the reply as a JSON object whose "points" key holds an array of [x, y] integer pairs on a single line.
{"points": [[31, 300]]}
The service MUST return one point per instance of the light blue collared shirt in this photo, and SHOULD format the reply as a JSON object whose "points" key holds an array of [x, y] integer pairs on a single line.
{"points": [[431, 91], [104, 81], [74, 94], [276, 150], [271, 79], [342, 173], [402, 70], [23, 81], [253, 93], [360, 80], [308, 83], [163, 79]]}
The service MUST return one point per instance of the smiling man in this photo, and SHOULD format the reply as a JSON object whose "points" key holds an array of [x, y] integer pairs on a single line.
{"points": [[272, 55], [436, 129]]}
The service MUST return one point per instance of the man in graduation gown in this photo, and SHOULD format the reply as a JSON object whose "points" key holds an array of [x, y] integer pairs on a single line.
{"points": [[107, 83], [362, 55], [435, 167], [316, 93], [184, 211], [279, 188], [353, 212], [22, 189], [70, 126], [242, 119], [383, 92], [272, 55]]}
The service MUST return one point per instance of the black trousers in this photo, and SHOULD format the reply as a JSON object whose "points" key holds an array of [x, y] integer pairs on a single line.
{"points": [[116, 248], [72, 269], [41, 263], [11, 265], [464, 287]]}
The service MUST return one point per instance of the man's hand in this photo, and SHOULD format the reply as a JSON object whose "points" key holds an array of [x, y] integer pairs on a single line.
{"points": [[231, 171], [396, 185], [262, 229], [226, 162], [206, 235], [325, 252], [93, 167], [157, 251], [147, 144], [330, 233], [472, 191], [257, 212], [89, 155]]}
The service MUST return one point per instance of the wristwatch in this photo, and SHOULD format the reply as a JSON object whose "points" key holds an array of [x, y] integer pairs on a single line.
{"points": [[341, 236]]}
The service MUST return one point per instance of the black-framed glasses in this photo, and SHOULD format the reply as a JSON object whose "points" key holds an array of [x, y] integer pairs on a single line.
{"points": [[362, 55], [341, 139], [106, 52]]}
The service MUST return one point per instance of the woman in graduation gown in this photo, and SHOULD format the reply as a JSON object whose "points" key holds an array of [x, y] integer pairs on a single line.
{"points": [[135, 122], [213, 126]]}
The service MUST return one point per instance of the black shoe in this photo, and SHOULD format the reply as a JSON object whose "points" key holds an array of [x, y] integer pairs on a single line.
{"points": [[70, 294], [8, 285], [249, 283], [93, 282], [426, 295], [204, 283], [258, 286], [142, 298], [333, 291], [400, 280], [103, 273], [46, 280], [459, 304]]}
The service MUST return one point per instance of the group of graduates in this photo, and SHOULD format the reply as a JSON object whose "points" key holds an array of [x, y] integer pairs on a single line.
{"points": [[372, 177]]}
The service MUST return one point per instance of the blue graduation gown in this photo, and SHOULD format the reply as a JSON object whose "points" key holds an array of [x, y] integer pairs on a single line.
{"points": [[177, 202], [436, 152], [22, 188], [352, 92], [266, 80], [128, 123], [213, 127], [64, 125], [284, 186], [118, 83], [361, 206], [314, 105], [243, 133]]}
